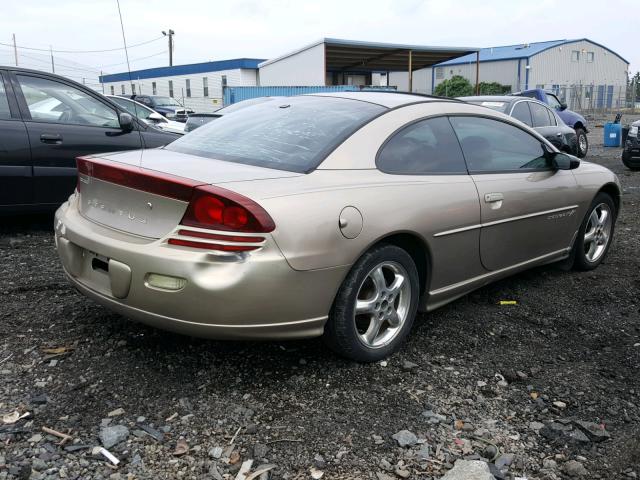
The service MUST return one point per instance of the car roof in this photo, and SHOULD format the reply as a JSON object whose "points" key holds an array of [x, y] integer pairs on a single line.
{"points": [[386, 98], [489, 98]]}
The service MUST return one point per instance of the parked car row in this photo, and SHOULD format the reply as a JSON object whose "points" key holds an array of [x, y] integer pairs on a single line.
{"points": [[570, 118], [148, 115], [536, 115]]}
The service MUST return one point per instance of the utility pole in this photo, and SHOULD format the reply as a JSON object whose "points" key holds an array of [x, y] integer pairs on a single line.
{"points": [[15, 49], [53, 66], [170, 35]]}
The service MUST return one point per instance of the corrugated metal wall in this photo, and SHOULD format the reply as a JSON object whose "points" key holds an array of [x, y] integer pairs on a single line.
{"points": [[238, 94]]}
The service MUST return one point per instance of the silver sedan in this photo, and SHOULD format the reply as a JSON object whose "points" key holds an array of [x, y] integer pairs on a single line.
{"points": [[339, 215]]}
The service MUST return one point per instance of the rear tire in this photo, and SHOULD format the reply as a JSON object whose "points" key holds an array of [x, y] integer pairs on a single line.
{"points": [[595, 234], [583, 143], [375, 306]]}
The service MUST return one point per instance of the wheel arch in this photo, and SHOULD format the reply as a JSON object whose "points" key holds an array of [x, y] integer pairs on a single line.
{"points": [[416, 247], [613, 191], [578, 125]]}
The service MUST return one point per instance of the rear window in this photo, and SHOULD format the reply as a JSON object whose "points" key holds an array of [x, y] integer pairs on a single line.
{"points": [[285, 133]]}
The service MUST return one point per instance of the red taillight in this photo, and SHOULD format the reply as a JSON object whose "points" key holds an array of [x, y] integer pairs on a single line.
{"points": [[216, 208], [210, 207]]}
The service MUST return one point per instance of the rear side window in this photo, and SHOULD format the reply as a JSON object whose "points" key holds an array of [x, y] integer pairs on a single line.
{"points": [[425, 147], [4, 102], [286, 133], [522, 113], [494, 146], [540, 115]]}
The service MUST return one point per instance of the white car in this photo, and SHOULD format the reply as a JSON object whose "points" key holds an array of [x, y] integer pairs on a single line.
{"points": [[148, 115]]}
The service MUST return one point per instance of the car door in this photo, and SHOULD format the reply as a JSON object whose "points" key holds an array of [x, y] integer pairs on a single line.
{"points": [[527, 209], [544, 122], [63, 121], [16, 180]]}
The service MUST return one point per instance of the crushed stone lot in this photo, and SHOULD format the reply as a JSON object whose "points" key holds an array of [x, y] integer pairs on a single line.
{"points": [[548, 388]]}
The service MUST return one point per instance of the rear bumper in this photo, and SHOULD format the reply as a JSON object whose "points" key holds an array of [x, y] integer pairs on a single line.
{"points": [[239, 296]]}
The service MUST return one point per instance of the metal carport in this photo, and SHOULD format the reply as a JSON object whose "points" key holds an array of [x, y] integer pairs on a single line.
{"points": [[342, 56]]}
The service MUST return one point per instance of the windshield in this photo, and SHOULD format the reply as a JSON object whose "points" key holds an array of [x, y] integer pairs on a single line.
{"points": [[553, 101], [165, 102], [134, 108], [287, 133]]}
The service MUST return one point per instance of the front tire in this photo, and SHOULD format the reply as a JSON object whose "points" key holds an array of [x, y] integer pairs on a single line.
{"points": [[583, 142], [627, 162], [375, 306], [595, 234]]}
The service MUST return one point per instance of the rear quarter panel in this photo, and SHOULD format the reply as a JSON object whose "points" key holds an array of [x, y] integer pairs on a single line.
{"points": [[306, 211]]}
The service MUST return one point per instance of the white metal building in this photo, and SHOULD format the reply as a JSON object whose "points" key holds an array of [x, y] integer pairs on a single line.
{"points": [[197, 86], [569, 67], [333, 61]]}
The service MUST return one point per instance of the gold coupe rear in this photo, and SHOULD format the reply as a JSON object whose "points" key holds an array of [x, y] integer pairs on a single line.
{"points": [[333, 214]]}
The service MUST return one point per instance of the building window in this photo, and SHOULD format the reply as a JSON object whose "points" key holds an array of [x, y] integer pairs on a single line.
{"points": [[575, 55], [123, 90], [133, 88], [224, 81], [153, 88], [188, 85], [205, 86], [171, 88], [590, 56], [439, 73], [113, 90]]}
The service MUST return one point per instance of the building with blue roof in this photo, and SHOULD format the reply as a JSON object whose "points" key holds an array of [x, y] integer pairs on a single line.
{"points": [[584, 73], [198, 86]]}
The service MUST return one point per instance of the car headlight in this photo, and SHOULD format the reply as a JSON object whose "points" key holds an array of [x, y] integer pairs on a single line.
{"points": [[633, 131], [170, 115]]}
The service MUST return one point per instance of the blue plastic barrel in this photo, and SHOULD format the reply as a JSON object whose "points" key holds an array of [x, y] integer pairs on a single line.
{"points": [[612, 134]]}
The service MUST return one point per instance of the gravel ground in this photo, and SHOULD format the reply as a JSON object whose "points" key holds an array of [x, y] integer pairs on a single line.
{"points": [[544, 389]]}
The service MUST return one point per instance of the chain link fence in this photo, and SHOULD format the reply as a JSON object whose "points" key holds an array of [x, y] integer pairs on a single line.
{"points": [[598, 100]]}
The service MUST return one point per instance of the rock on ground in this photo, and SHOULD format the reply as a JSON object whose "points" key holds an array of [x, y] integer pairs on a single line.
{"points": [[469, 470]]}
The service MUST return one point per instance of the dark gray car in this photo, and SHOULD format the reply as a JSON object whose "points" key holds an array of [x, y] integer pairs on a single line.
{"points": [[534, 114], [46, 121]]}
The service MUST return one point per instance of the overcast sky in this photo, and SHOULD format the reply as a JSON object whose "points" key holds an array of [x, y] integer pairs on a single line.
{"points": [[216, 30]]}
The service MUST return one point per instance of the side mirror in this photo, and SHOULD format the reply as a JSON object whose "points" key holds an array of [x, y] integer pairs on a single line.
{"points": [[156, 117], [562, 161], [563, 106], [126, 122]]}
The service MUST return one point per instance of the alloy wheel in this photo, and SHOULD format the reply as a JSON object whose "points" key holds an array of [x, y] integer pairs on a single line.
{"points": [[582, 143], [382, 304], [597, 232]]}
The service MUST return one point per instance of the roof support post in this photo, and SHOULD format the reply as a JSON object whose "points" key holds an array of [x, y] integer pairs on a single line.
{"points": [[410, 71], [478, 72]]}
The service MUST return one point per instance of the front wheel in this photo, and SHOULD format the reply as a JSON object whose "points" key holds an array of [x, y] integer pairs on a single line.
{"points": [[627, 162], [375, 306], [595, 234], [583, 143]]}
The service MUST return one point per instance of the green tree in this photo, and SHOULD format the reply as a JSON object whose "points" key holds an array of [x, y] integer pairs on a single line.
{"points": [[456, 86], [494, 88]]}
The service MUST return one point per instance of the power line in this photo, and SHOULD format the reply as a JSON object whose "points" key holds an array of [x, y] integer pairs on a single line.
{"points": [[81, 51], [134, 60]]}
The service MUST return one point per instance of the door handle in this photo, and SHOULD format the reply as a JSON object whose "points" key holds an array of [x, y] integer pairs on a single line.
{"points": [[493, 197], [51, 138]]}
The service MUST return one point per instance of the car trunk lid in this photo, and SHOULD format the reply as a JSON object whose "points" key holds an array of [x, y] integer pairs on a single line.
{"points": [[148, 196]]}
